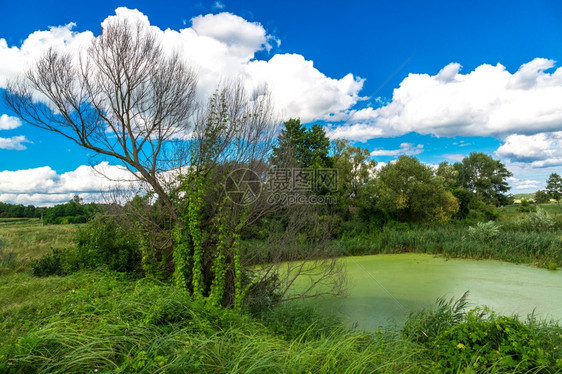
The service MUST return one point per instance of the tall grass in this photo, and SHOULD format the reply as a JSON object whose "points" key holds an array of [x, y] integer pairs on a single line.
{"points": [[97, 322], [30, 240], [539, 248]]}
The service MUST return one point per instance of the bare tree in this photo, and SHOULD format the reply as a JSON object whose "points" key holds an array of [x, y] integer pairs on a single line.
{"points": [[124, 97]]}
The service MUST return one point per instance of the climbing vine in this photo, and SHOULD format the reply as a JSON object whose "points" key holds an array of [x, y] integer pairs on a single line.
{"points": [[196, 243]]}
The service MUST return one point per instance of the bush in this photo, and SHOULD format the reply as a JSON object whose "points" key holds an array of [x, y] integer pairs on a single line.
{"points": [[540, 221], [525, 206], [484, 231], [52, 263], [103, 242], [481, 340]]}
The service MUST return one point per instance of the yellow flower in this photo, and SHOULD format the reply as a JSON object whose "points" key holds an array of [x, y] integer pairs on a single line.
{"points": [[461, 346]]}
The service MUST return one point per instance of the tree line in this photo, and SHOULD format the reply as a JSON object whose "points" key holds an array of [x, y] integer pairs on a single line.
{"points": [[74, 211]]}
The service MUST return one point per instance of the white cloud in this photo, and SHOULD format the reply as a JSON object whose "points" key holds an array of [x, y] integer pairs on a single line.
{"points": [[44, 186], [489, 101], [219, 47], [14, 143], [14, 60], [456, 157], [218, 5], [405, 149], [539, 150], [9, 123], [523, 184], [301, 90]]}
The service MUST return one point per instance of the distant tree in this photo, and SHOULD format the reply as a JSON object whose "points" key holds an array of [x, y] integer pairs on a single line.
{"points": [[449, 174], [302, 147], [408, 191], [356, 170], [541, 197], [485, 177], [355, 167], [554, 187]]}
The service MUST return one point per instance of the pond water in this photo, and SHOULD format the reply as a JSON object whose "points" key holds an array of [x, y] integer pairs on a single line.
{"points": [[384, 289]]}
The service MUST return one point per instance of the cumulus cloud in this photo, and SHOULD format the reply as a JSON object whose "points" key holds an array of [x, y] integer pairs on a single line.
{"points": [[539, 150], [14, 143], [44, 186], [408, 149], [299, 88], [219, 47], [489, 101], [9, 123], [524, 184]]}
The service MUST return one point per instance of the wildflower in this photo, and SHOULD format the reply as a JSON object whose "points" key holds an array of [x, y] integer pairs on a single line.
{"points": [[461, 346]]}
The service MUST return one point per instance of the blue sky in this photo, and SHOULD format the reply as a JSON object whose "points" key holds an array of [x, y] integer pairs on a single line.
{"points": [[433, 79]]}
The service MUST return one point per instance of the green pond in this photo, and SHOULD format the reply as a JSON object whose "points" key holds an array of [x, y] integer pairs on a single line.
{"points": [[384, 289]]}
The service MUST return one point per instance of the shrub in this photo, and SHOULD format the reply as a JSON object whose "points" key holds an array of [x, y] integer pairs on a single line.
{"points": [[526, 206], [484, 231], [539, 221], [425, 326], [481, 340], [103, 242], [52, 263]]}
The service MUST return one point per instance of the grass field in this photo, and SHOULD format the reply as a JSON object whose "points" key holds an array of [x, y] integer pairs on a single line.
{"points": [[26, 240]]}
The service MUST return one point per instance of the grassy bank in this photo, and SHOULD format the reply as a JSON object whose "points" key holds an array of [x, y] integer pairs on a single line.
{"points": [[96, 322]]}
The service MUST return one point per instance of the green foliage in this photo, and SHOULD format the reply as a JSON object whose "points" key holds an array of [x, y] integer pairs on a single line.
{"points": [[541, 197], [539, 221], [505, 242], [525, 206], [52, 263], [299, 321], [408, 191], [486, 177], [20, 211], [8, 258], [72, 212], [104, 242], [554, 187], [100, 322], [355, 175], [427, 325], [207, 242], [481, 340], [302, 147], [484, 231]]}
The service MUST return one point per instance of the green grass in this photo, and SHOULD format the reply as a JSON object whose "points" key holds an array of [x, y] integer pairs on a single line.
{"points": [[99, 321], [29, 240]]}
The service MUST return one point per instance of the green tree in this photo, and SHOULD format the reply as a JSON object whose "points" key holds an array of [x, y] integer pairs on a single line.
{"points": [[302, 147], [485, 177], [355, 171], [554, 187], [449, 174], [355, 167], [541, 197], [408, 191]]}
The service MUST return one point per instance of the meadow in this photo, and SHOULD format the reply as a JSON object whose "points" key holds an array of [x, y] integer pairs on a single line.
{"points": [[96, 321]]}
